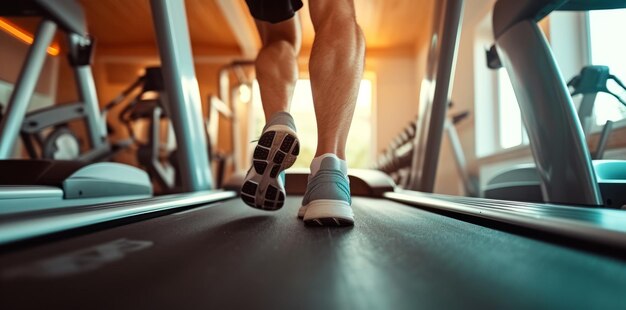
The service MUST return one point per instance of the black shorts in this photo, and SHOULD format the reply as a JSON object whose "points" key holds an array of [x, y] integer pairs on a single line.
{"points": [[273, 11]]}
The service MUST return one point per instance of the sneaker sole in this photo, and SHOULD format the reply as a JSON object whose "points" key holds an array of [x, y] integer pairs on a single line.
{"points": [[301, 212], [326, 212], [276, 150]]}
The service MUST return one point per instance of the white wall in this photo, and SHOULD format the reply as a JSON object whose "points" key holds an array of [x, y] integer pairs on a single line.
{"points": [[396, 95]]}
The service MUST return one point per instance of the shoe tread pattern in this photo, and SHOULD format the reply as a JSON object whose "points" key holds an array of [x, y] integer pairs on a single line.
{"points": [[275, 152]]}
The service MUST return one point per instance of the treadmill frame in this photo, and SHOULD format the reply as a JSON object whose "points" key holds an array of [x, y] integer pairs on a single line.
{"points": [[435, 94], [185, 105], [556, 137]]}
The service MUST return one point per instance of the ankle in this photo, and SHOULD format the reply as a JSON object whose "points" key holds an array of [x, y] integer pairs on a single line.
{"points": [[326, 146], [316, 164], [281, 118]]}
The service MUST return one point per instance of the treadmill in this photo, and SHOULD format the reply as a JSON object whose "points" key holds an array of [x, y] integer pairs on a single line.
{"points": [[408, 249], [564, 170]]}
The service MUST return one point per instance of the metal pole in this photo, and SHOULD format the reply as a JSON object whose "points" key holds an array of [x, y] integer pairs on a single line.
{"points": [[170, 24], [424, 166], [585, 112], [459, 159], [87, 91], [224, 84], [18, 103]]}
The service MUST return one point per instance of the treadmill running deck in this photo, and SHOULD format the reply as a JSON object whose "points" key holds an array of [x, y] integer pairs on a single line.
{"points": [[230, 255]]}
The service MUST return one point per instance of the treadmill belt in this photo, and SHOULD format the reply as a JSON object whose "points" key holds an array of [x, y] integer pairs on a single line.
{"points": [[229, 255]]}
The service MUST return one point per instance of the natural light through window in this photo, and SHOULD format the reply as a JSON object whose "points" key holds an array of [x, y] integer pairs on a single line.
{"points": [[511, 127], [608, 48], [359, 148]]}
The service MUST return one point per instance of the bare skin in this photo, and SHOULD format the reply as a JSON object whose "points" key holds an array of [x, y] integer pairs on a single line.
{"points": [[335, 67], [276, 64]]}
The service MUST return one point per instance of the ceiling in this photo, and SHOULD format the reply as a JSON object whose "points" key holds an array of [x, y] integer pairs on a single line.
{"points": [[118, 23], [224, 27]]}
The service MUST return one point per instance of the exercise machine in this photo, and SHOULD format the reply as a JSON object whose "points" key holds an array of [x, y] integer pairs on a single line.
{"points": [[228, 89], [522, 182], [396, 159], [591, 81], [221, 160], [27, 185], [45, 132], [145, 101], [564, 166]]}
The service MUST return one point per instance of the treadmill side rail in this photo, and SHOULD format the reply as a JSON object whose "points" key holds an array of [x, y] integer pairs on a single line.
{"points": [[14, 228], [596, 226]]}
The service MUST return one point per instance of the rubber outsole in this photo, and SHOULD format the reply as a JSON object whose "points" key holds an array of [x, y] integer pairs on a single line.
{"points": [[301, 212], [276, 151], [329, 221], [325, 212]]}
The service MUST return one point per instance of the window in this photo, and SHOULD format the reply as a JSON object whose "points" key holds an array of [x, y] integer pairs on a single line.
{"points": [[511, 128], [607, 47], [576, 41], [498, 119], [359, 148]]}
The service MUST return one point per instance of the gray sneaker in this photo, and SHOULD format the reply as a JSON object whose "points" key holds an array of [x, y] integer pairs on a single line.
{"points": [[277, 150], [327, 199]]}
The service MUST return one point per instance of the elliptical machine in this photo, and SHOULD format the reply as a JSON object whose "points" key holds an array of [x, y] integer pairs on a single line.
{"points": [[146, 102], [45, 132], [43, 184], [156, 154]]}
